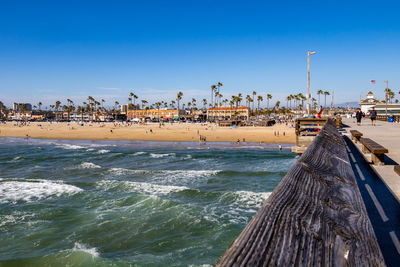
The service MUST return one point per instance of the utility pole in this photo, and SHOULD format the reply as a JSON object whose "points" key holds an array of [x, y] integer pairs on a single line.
{"points": [[308, 84], [386, 95]]}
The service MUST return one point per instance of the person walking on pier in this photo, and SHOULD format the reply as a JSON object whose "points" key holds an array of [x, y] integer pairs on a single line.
{"points": [[358, 116], [372, 114]]}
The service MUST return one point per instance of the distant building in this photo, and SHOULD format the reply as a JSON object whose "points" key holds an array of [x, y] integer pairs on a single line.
{"points": [[123, 108], [369, 102], [392, 109], [228, 113], [380, 107], [154, 113], [22, 106]]}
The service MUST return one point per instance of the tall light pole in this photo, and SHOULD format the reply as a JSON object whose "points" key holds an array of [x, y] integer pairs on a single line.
{"points": [[308, 86], [386, 94]]}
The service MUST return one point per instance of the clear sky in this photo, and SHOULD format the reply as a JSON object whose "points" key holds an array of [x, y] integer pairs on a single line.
{"points": [[54, 50]]}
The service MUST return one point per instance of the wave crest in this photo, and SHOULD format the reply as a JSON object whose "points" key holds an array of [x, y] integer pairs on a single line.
{"points": [[12, 191]]}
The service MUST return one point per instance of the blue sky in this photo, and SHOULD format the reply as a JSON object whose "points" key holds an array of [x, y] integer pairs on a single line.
{"points": [[54, 50]]}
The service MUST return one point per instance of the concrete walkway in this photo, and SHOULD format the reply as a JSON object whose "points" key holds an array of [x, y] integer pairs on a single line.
{"points": [[388, 135]]}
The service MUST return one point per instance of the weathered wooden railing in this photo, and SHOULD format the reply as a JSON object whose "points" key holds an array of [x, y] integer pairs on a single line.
{"points": [[315, 216]]}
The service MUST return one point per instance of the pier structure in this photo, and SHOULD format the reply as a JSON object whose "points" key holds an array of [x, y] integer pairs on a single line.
{"points": [[307, 129], [315, 217], [386, 134]]}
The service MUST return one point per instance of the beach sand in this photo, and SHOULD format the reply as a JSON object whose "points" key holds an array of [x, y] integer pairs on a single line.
{"points": [[176, 132]]}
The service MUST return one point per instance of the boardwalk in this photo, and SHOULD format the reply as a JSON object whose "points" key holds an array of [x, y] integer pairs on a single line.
{"points": [[382, 206], [388, 135]]}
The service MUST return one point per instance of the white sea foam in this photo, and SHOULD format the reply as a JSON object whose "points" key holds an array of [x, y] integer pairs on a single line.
{"points": [[161, 155], [69, 147], [12, 191], [85, 248], [164, 173], [253, 199], [88, 165], [103, 151], [138, 153], [17, 158], [153, 190]]}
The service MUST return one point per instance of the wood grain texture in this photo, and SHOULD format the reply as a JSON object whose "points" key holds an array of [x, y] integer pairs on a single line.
{"points": [[315, 216], [373, 146], [397, 169]]}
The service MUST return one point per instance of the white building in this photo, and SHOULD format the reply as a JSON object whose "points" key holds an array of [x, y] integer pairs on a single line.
{"points": [[369, 102]]}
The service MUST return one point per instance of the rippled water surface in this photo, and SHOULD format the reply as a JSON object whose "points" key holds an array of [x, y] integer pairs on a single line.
{"points": [[129, 203]]}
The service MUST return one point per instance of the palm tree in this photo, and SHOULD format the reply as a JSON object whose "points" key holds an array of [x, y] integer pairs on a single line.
{"points": [[319, 93], [269, 96], [213, 88], [158, 105], [254, 98], [80, 110], [314, 101], [239, 98], [302, 98], [173, 103], [277, 104], [287, 101], [204, 103], [219, 84], [134, 100], [179, 98], [291, 98], [40, 105], [259, 99], [144, 102], [325, 94], [116, 104], [248, 98], [130, 98]]}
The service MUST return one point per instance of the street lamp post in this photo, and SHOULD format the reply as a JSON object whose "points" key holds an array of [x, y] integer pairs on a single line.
{"points": [[308, 85]]}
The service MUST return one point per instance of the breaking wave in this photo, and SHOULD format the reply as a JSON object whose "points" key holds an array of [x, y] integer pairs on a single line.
{"points": [[13, 191]]}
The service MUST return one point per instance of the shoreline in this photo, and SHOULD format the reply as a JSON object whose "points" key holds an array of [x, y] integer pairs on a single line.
{"points": [[277, 134], [177, 144]]}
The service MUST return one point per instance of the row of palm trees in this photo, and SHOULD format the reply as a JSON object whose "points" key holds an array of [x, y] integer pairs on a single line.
{"points": [[95, 107], [390, 95]]}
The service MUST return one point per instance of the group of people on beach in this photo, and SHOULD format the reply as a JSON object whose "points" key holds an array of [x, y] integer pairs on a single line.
{"points": [[360, 115]]}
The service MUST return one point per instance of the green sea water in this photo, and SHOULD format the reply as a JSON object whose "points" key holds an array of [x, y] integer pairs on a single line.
{"points": [[84, 203]]}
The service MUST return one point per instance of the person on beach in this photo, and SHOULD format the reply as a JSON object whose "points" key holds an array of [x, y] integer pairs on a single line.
{"points": [[372, 114], [358, 116]]}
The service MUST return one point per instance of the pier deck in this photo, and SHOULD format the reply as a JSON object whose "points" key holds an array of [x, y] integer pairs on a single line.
{"points": [[388, 135], [315, 217]]}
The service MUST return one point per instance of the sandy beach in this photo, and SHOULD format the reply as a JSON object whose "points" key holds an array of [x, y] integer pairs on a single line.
{"points": [[177, 132]]}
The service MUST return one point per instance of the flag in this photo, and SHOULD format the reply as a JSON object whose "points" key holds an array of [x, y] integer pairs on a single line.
{"points": [[373, 81]]}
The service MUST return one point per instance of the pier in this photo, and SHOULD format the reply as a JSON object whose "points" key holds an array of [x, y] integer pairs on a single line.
{"points": [[317, 215], [388, 135]]}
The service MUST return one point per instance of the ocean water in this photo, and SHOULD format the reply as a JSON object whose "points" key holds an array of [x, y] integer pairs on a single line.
{"points": [[85, 203]]}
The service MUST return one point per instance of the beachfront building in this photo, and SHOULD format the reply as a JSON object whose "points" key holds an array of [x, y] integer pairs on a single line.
{"points": [[20, 115], [228, 113], [389, 109], [123, 108], [381, 107], [22, 107], [154, 114], [369, 102]]}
